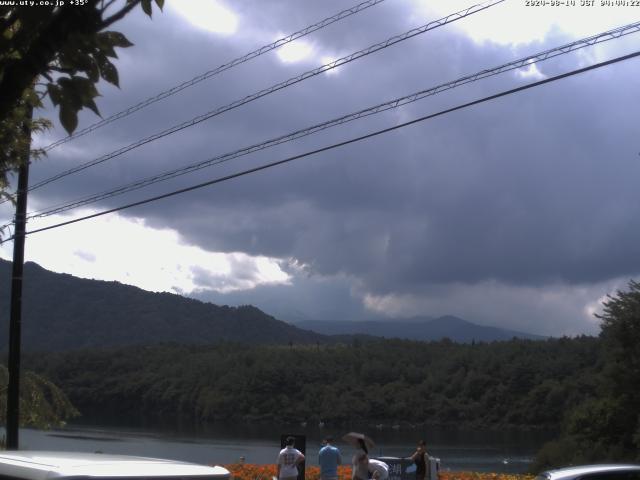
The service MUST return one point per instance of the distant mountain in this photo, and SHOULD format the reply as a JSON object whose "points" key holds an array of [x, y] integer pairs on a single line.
{"points": [[422, 328], [63, 312]]}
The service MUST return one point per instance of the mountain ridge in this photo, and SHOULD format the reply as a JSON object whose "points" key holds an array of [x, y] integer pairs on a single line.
{"points": [[63, 312], [419, 328]]}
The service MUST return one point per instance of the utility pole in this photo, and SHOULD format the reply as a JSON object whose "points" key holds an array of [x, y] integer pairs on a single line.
{"points": [[15, 322]]}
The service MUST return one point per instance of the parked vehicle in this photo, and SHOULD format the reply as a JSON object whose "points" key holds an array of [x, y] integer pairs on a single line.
{"points": [[405, 468], [36, 465], [593, 472]]}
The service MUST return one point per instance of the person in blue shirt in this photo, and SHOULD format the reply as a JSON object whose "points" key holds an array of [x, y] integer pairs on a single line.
{"points": [[329, 458]]}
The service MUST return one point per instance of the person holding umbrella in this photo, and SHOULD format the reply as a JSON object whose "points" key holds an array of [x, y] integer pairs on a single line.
{"points": [[360, 459]]}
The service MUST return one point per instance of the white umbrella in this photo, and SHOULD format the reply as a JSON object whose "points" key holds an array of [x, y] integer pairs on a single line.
{"points": [[353, 439]]}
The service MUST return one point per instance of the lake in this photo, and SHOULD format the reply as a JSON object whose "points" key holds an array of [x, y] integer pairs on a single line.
{"points": [[486, 451]]}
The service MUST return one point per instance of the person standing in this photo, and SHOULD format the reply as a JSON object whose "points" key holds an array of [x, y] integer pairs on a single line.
{"points": [[360, 462], [420, 458], [288, 460], [329, 458]]}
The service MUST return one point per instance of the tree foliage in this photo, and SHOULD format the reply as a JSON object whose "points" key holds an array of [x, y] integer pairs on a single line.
{"points": [[606, 424], [42, 403], [386, 381], [621, 335], [621, 379], [57, 51]]}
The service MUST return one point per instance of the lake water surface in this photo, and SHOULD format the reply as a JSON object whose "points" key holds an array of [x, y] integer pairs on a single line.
{"points": [[503, 451]]}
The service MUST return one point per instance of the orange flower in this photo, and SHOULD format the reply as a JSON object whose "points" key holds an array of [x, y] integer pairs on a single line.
{"points": [[250, 471], [482, 476]]}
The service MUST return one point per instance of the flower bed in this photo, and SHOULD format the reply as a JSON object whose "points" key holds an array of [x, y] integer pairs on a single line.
{"points": [[483, 476], [249, 471]]}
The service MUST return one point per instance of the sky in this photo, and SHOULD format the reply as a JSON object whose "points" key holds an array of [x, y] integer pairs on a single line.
{"points": [[520, 212]]}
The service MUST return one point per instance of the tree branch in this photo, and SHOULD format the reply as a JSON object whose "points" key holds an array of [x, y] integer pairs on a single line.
{"points": [[104, 7], [119, 15]]}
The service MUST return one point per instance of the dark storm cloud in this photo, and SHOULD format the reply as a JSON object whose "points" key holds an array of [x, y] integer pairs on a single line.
{"points": [[506, 204], [531, 191]]}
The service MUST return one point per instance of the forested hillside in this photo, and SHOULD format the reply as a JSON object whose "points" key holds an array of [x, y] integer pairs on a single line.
{"points": [[520, 382], [63, 312]]}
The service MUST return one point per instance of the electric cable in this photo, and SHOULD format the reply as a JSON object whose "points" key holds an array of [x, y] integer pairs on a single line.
{"points": [[226, 66], [339, 144], [395, 103], [291, 81]]}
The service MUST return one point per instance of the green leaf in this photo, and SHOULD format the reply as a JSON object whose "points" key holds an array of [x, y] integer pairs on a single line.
{"points": [[146, 6], [116, 39], [78, 60], [85, 91], [69, 96], [68, 118], [109, 72], [75, 93], [89, 103], [55, 94], [160, 4], [83, 88], [92, 71], [105, 46]]}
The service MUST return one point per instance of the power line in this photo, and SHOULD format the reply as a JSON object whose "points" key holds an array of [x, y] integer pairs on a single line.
{"points": [[397, 102], [340, 144], [226, 66], [291, 81]]}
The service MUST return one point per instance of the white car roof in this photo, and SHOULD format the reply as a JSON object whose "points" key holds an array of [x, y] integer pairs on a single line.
{"points": [[573, 472], [41, 465]]}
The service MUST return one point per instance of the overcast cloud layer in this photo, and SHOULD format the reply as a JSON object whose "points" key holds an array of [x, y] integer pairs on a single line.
{"points": [[521, 212]]}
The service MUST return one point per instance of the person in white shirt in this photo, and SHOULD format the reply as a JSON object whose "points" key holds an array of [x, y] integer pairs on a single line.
{"points": [[288, 460]]}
